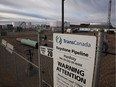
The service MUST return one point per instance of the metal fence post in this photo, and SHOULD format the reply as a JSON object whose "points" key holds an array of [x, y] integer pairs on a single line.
{"points": [[5, 57], [39, 58], [98, 56], [15, 66]]}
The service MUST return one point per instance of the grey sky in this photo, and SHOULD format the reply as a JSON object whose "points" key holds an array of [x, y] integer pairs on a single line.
{"points": [[76, 11]]}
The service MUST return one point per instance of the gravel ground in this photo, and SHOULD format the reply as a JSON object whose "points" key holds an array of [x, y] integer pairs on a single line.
{"points": [[107, 66]]}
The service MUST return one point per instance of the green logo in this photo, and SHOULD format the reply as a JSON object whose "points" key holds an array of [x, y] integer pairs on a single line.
{"points": [[58, 40]]}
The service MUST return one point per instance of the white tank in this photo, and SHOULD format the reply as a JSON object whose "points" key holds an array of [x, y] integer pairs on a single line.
{"points": [[69, 30], [15, 24], [19, 24], [102, 23], [59, 24], [28, 24]]}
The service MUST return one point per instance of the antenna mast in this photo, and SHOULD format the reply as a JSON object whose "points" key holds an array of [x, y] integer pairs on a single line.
{"points": [[109, 14]]}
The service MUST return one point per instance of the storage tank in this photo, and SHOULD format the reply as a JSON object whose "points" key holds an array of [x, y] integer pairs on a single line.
{"points": [[59, 24], [69, 30], [15, 24], [102, 23], [28, 25], [19, 24]]}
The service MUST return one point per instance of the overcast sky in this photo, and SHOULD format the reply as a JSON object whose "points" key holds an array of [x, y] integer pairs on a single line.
{"points": [[76, 11]]}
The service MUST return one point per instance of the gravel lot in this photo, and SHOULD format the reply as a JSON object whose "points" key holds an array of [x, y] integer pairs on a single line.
{"points": [[7, 79]]}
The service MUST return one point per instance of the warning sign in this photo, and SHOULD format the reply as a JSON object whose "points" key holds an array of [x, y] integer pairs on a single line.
{"points": [[74, 57], [47, 51]]}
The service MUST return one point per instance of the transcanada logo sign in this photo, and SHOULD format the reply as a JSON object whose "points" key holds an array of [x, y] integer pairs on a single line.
{"points": [[75, 42], [59, 40]]}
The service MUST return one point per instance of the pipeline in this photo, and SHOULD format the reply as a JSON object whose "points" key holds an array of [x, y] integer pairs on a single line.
{"points": [[28, 42]]}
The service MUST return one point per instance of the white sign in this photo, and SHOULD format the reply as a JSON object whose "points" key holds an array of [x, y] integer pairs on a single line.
{"points": [[4, 42], [47, 51], [74, 57], [9, 47]]}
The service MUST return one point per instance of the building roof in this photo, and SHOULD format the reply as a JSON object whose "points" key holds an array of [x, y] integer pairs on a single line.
{"points": [[101, 26]]}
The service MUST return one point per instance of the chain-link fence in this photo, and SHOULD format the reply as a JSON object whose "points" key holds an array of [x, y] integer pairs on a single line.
{"points": [[24, 67]]}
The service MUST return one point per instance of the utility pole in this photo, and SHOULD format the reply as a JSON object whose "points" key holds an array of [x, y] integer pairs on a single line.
{"points": [[63, 16]]}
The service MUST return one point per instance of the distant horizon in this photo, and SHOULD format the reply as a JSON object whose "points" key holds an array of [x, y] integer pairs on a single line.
{"points": [[36, 22], [10, 22]]}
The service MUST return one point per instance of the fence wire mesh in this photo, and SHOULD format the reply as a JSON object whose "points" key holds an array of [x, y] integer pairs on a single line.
{"points": [[24, 68], [17, 69]]}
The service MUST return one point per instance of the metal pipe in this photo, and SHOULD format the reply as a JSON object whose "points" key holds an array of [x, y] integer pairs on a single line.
{"points": [[28, 42]]}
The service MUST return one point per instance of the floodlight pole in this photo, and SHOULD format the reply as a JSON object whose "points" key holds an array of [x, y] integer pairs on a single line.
{"points": [[63, 16], [98, 57]]}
